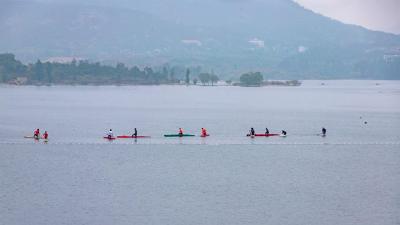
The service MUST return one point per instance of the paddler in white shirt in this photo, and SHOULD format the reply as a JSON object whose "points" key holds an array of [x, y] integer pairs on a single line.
{"points": [[110, 133]]}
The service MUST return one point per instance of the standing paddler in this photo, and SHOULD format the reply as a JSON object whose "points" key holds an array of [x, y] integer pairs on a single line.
{"points": [[252, 132], [134, 135]]}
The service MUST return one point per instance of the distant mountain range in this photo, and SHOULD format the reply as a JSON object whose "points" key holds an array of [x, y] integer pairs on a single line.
{"points": [[277, 37]]}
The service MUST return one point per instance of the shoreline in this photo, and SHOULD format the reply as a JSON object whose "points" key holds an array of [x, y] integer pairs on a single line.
{"points": [[307, 81]]}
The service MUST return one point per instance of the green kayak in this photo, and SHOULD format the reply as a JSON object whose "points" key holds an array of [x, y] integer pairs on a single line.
{"points": [[178, 135]]}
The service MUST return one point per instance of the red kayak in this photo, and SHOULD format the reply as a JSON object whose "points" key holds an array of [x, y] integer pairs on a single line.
{"points": [[130, 136], [110, 138], [263, 135]]}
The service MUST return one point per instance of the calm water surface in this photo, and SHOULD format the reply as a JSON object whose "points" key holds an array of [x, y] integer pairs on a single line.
{"points": [[352, 176]]}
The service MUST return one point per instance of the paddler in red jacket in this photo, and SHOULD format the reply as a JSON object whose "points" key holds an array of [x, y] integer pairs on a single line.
{"points": [[45, 135], [36, 133], [180, 132], [203, 132]]}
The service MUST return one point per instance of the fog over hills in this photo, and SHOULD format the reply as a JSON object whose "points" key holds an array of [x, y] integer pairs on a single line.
{"points": [[277, 37]]}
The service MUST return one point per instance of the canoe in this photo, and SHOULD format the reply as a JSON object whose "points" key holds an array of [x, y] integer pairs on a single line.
{"points": [[129, 136], [262, 135], [111, 138], [178, 135]]}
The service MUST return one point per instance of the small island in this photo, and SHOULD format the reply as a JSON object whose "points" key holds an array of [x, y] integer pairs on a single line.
{"points": [[256, 79]]}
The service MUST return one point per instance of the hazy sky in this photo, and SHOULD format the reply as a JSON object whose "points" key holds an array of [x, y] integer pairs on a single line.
{"points": [[381, 15]]}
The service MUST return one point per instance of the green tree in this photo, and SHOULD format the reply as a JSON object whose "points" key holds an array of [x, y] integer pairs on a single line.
{"points": [[121, 72], [38, 71], [187, 76], [214, 79], [251, 79], [165, 72], [10, 68], [2, 75], [204, 78], [48, 72], [172, 75]]}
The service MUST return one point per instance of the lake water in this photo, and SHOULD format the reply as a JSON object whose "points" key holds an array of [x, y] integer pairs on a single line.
{"points": [[351, 176]]}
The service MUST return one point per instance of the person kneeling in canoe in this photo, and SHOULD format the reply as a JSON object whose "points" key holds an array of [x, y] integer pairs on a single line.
{"points": [[266, 131], [36, 134], [204, 132], [134, 135], [180, 132], [110, 134], [323, 131], [45, 135], [284, 133]]}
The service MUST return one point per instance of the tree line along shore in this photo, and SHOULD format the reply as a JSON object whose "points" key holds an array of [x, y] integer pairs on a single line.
{"points": [[84, 72]]}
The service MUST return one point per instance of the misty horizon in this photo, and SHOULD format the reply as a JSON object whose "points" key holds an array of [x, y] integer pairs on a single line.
{"points": [[277, 37]]}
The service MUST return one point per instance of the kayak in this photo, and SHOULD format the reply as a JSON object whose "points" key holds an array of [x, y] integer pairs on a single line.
{"points": [[111, 138], [33, 137], [179, 135], [129, 136], [37, 138], [262, 135]]}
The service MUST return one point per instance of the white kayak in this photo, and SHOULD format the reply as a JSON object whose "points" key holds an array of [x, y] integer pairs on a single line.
{"points": [[32, 137], [37, 138]]}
